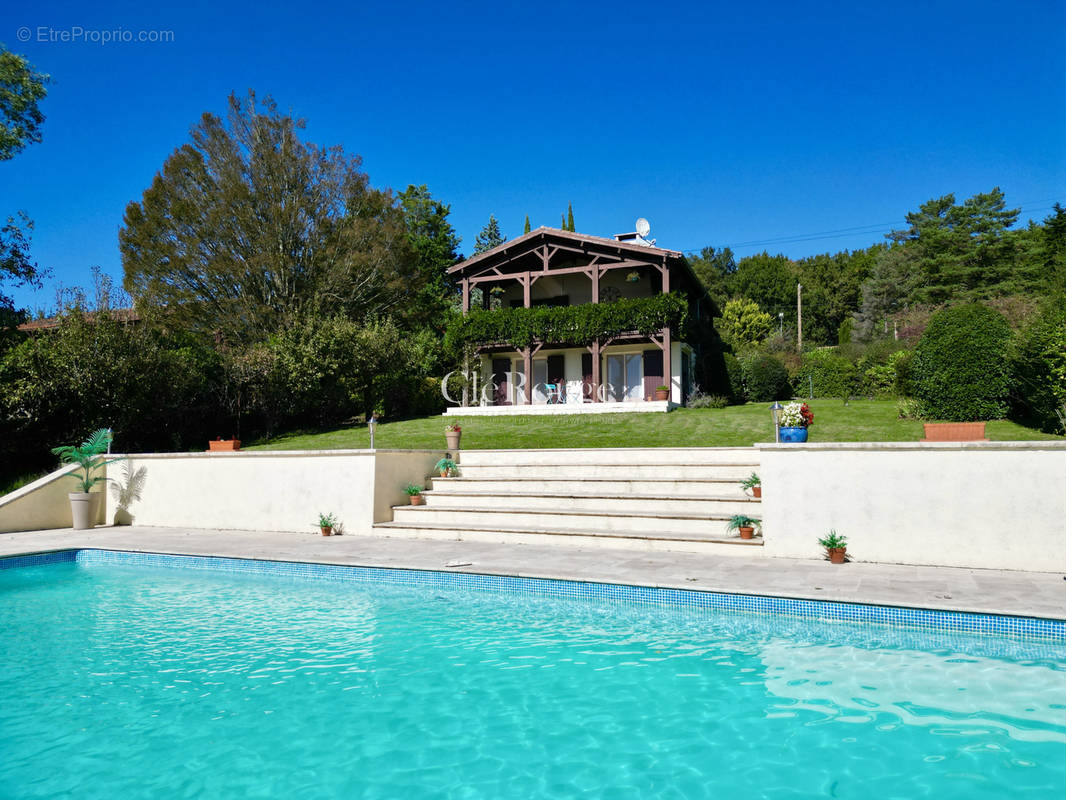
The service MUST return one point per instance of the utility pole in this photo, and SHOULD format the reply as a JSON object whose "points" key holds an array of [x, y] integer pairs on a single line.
{"points": [[799, 317]]}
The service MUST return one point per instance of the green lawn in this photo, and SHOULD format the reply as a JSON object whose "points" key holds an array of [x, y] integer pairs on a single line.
{"points": [[858, 421]]}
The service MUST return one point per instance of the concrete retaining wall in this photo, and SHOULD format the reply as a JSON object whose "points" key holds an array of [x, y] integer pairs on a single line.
{"points": [[998, 505], [43, 504], [272, 491]]}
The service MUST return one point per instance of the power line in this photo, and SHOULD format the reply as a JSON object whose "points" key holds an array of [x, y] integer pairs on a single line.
{"points": [[838, 233]]}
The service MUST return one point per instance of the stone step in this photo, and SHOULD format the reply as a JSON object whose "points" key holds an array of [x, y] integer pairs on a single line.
{"points": [[606, 486], [614, 455], [636, 471], [583, 501], [725, 546], [646, 524]]}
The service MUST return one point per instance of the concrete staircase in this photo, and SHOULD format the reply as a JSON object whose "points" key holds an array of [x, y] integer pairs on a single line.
{"points": [[634, 498]]}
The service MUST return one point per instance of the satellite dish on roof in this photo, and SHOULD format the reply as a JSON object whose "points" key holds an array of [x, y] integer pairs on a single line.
{"points": [[643, 228]]}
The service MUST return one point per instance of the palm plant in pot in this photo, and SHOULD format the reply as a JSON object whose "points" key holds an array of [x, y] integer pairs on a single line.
{"points": [[744, 525], [447, 468], [85, 503], [415, 493], [754, 483], [836, 547]]}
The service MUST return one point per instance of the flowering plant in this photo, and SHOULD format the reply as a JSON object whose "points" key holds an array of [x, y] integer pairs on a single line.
{"points": [[453, 428], [796, 415]]}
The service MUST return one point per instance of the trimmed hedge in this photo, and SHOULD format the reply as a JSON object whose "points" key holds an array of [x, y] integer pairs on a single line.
{"points": [[830, 373], [765, 379], [960, 370], [577, 325]]}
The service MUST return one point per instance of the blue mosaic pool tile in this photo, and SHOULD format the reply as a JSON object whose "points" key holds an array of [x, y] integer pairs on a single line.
{"points": [[39, 559], [1028, 628]]}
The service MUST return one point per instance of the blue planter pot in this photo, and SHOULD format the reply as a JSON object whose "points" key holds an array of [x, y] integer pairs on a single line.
{"points": [[793, 434]]}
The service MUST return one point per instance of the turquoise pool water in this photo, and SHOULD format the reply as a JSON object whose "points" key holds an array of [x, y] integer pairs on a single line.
{"points": [[129, 682]]}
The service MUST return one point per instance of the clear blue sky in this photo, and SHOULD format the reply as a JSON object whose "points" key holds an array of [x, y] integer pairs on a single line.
{"points": [[722, 123]]}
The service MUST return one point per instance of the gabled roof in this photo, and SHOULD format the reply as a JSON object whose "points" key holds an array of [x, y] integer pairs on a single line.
{"points": [[535, 238]]}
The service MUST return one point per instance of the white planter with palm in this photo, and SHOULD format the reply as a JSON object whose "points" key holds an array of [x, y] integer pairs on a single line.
{"points": [[84, 504]]}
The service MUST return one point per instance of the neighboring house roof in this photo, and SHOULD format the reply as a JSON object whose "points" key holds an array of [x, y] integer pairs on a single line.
{"points": [[126, 315]]}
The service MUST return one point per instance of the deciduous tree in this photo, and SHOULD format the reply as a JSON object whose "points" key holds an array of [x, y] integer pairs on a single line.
{"points": [[21, 90], [248, 229]]}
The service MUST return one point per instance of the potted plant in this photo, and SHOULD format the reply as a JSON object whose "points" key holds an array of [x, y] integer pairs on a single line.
{"points": [[754, 483], [85, 503], [662, 392], [415, 493], [452, 434], [327, 522], [224, 445], [744, 525], [446, 467], [836, 547], [794, 421]]}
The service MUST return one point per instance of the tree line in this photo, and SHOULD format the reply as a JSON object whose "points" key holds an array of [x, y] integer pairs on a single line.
{"points": [[864, 312]]}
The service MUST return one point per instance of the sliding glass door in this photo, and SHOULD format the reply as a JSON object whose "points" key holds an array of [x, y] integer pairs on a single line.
{"points": [[625, 377]]}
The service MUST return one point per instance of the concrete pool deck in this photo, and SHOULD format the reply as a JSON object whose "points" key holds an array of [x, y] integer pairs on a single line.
{"points": [[1027, 594]]}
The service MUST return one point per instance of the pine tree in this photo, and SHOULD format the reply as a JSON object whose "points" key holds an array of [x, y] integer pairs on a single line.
{"points": [[570, 217], [489, 237], [894, 276], [526, 228], [562, 221]]}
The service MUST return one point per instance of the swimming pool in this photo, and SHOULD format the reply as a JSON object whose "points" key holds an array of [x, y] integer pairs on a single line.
{"points": [[124, 676]]}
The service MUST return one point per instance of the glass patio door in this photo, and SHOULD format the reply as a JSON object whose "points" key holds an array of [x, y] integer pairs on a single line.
{"points": [[625, 377]]}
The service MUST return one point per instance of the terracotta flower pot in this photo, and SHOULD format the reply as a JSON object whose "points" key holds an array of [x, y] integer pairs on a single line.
{"points": [[756, 491], [327, 531], [660, 395], [836, 554], [224, 445], [746, 533], [452, 438], [417, 500]]}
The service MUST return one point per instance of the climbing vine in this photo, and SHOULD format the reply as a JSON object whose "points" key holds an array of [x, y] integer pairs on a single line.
{"points": [[575, 325]]}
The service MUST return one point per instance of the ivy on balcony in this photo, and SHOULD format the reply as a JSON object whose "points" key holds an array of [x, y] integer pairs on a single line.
{"points": [[575, 325]]}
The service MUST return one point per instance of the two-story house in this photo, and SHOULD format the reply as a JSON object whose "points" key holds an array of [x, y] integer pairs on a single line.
{"points": [[551, 267]]}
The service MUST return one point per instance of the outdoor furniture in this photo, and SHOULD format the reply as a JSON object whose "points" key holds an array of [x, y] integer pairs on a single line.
{"points": [[954, 432]]}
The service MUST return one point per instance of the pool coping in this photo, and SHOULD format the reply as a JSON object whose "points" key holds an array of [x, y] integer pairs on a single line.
{"points": [[899, 617]]}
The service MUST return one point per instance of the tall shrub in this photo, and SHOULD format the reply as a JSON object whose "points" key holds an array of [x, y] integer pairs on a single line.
{"points": [[765, 378], [1040, 370], [960, 369]]}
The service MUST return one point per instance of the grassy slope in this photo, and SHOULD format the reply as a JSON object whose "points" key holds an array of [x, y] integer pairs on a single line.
{"points": [[860, 420]]}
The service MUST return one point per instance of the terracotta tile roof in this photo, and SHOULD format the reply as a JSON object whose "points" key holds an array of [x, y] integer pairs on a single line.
{"points": [[127, 315]]}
